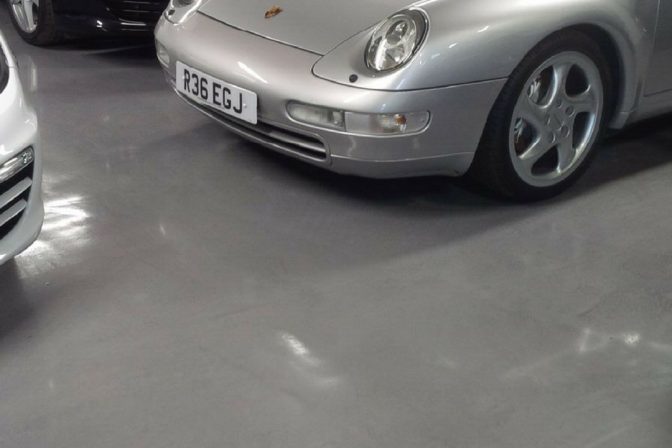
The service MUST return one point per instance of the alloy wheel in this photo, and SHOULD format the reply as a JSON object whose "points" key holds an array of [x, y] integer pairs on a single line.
{"points": [[26, 13], [556, 119]]}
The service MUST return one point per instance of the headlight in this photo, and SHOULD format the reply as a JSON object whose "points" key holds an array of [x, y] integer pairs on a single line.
{"points": [[180, 10], [396, 40], [16, 164]]}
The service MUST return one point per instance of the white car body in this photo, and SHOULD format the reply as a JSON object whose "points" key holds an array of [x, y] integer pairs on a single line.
{"points": [[21, 207]]}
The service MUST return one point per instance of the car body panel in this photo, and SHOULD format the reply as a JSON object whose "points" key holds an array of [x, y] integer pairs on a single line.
{"points": [[302, 22], [487, 39], [18, 131], [256, 69], [660, 76], [316, 55]]}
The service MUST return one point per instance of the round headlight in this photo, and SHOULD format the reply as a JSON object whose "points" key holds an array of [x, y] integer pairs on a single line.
{"points": [[396, 40]]}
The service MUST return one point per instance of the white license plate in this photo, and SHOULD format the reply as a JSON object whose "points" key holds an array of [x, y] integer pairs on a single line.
{"points": [[218, 94]]}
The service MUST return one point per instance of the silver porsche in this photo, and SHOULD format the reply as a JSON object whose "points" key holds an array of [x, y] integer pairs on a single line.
{"points": [[514, 93]]}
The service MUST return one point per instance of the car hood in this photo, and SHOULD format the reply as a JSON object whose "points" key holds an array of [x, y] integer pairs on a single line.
{"points": [[313, 25]]}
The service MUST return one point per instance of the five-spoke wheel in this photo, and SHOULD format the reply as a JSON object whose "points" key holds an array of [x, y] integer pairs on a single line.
{"points": [[34, 20], [26, 14], [556, 119], [547, 120]]}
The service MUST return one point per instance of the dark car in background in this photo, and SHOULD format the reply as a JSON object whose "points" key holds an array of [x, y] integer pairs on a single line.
{"points": [[44, 22]]}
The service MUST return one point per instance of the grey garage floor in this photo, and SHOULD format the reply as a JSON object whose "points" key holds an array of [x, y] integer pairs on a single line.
{"points": [[194, 290]]}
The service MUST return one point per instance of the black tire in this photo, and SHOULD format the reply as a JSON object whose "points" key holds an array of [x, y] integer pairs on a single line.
{"points": [[493, 167], [46, 32]]}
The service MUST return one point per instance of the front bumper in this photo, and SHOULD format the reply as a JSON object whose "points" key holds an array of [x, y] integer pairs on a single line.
{"points": [[86, 17], [18, 131], [81, 25], [279, 74]]}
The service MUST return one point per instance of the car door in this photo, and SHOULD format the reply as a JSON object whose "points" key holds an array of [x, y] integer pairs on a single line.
{"points": [[660, 75]]}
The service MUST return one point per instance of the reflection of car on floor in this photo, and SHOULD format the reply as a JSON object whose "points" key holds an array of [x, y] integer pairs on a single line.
{"points": [[21, 210], [42, 22], [515, 93]]}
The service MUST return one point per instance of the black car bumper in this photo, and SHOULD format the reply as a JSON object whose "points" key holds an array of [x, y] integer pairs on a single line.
{"points": [[108, 16]]}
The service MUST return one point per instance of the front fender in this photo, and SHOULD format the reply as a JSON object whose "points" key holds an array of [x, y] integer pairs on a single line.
{"points": [[479, 40]]}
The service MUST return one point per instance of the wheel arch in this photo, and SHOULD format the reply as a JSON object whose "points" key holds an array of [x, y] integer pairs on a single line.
{"points": [[494, 39], [623, 75], [483, 40]]}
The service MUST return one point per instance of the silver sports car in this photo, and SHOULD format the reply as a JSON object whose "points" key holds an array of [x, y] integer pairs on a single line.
{"points": [[516, 93]]}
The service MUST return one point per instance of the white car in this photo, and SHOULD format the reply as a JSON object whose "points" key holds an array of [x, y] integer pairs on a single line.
{"points": [[21, 208]]}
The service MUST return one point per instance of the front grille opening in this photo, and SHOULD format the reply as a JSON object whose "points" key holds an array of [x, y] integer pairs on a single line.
{"points": [[279, 138], [146, 11], [20, 184], [4, 230], [22, 197]]}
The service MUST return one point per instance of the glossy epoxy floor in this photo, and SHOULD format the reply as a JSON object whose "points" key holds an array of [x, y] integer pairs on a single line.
{"points": [[193, 290]]}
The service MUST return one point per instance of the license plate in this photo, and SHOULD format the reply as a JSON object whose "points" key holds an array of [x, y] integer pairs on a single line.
{"points": [[220, 95]]}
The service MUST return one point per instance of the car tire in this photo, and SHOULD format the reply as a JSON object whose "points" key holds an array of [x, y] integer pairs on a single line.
{"points": [[541, 134], [40, 32]]}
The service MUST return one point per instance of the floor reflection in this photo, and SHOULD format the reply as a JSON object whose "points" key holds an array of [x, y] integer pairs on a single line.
{"points": [[65, 221], [612, 351], [309, 366], [66, 227]]}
